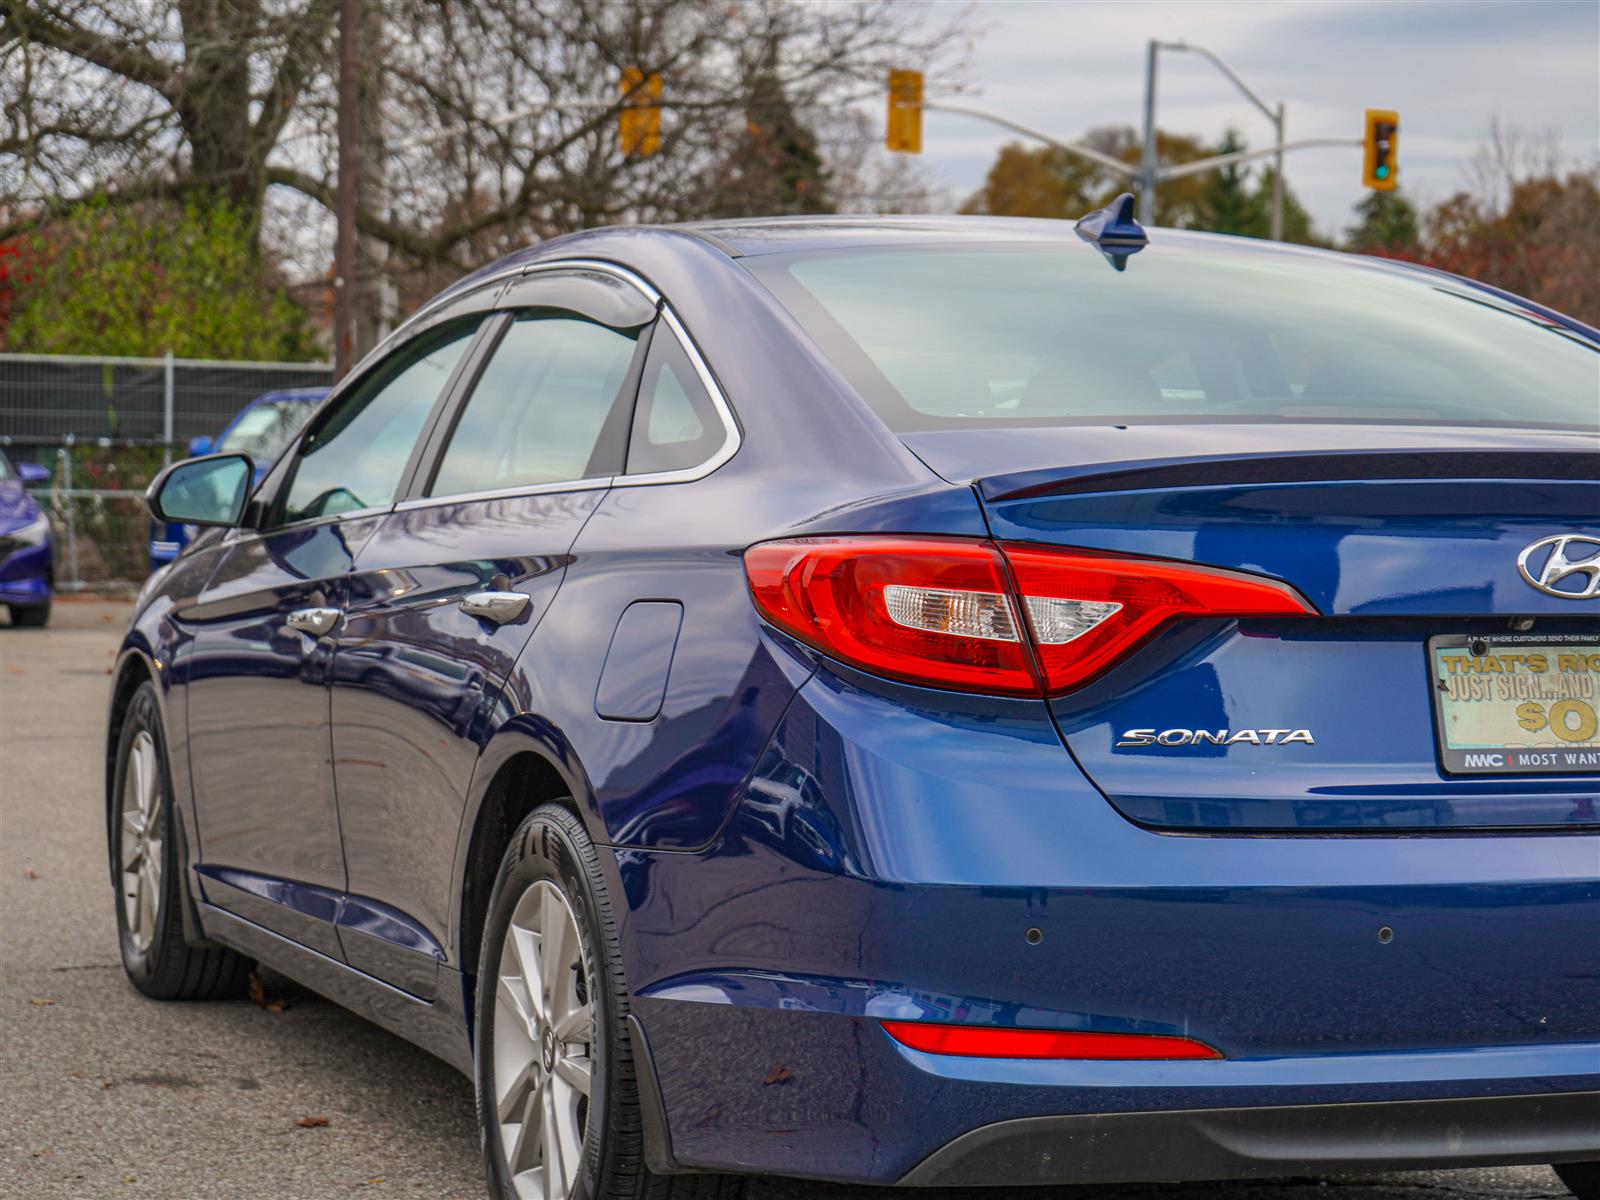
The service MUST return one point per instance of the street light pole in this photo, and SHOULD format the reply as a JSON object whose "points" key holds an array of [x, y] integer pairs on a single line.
{"points": [[1147, 162], [1277, 182], [1273, 115]]}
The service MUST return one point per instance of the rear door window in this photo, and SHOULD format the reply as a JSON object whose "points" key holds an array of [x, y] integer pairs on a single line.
{"points": [[545, 410]]}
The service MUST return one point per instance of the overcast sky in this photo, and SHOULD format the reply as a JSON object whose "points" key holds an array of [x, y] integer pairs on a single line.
{"points": [[1446, 66]]}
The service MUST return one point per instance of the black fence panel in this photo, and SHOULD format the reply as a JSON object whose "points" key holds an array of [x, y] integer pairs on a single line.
{"points": [[48, 400]]}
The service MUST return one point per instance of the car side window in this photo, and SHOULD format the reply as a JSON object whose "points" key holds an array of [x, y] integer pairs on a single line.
{"points": [[357, 452], [539, 411], [675, 425]]}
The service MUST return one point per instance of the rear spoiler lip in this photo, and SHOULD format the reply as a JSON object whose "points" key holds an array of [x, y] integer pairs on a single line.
{"points": [[1305, 466]]}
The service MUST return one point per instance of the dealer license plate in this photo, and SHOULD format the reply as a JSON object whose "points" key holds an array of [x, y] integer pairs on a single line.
{"points": [[1517, 705]]}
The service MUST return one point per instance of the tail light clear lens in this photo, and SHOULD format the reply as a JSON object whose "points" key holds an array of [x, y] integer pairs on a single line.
{"points": [[972, 615], [934, 611]]}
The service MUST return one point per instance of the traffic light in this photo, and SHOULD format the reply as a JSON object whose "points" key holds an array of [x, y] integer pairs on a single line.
{"points": [[1381, 163], [905, 112], [640, 119]]}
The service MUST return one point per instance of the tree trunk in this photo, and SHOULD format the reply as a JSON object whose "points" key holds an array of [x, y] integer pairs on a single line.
{"points": [[213, 106]]}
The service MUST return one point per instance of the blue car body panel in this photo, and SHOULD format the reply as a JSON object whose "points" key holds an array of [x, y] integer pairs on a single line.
{"points": [[797, 850], [27, 567]]}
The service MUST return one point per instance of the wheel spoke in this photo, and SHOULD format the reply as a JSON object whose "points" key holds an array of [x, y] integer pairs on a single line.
{"points": [[513, 1092], [554, 949], [146, 920], [145, 765], [132, 847], [555, 1184], [524, 943], [575, 1026], [576, 1072], [524, 1133], [513, 993]]}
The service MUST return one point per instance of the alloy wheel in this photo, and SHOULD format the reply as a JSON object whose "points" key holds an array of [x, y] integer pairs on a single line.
{"points": [[141, 820], [543, 1046]]}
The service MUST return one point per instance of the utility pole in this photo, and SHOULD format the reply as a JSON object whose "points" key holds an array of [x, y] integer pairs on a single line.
{"points": [[344, 252]]}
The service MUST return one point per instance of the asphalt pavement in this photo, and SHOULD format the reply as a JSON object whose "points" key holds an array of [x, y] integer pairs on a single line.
{"points": [[104, 1093]]}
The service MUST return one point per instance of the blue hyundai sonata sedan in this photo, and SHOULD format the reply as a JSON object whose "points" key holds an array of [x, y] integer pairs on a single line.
{"points": [[910, 701]]}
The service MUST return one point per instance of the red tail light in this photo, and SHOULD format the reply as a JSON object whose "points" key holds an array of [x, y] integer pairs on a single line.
{"points": [[945, 611], [1136, 596], [980, 1041]]}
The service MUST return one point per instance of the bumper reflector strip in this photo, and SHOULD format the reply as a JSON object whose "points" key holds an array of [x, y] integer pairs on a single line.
{"points": [[986, 1041]]}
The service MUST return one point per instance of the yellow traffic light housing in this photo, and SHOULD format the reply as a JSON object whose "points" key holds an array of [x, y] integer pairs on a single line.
{"points": [[904, 134], [639, 122], [1380, 164]]}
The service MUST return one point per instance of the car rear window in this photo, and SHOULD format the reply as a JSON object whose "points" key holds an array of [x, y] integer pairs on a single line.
{"points": [[263, 431], [1044, 334]]}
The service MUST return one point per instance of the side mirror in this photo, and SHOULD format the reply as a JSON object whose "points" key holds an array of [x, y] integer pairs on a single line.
{"points": [[32, 473], [199, 445], [202, 491]]}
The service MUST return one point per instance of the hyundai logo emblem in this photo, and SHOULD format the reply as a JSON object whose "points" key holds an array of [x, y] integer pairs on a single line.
{"points": [[1568, 558]]}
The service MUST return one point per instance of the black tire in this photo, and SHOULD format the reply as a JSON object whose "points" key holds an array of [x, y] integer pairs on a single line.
{"points": [[551, 846], [1582, 1179], [30, 616], [168, 968]]}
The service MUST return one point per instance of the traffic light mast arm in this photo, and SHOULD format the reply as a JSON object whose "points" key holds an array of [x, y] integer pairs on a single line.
{"points": [[1201, 165], [1094, 156]]}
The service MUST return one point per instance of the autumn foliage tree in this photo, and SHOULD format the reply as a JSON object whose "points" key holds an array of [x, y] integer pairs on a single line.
{"points": [[1047, 182]]}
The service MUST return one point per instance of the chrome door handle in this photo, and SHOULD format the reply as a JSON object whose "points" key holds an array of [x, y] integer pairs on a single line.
{"points": [[315, 621], [498, 607]]}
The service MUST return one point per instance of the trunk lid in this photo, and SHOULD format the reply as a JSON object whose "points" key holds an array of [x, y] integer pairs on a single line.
{"points": [[1407, 542]]}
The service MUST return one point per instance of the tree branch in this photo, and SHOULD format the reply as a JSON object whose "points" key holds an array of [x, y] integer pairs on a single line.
{"points": [[309, 32], [131, 62]]}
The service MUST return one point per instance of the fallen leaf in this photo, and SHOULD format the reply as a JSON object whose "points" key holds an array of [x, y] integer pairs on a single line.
{"points": [[41, 1001], [108, 670], [106, 1084], [312, 1122], [258, 996], [30, 873], [778, 1074], [107, 617], [14, 669], [130, 1179], [375, 1181]]}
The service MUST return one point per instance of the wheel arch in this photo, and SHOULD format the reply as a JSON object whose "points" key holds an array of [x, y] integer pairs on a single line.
{"points": [[526, 765], [134, 667]]}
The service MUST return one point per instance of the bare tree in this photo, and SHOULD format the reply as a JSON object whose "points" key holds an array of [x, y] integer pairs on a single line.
{"points": [[498, 116], [136, 99]]}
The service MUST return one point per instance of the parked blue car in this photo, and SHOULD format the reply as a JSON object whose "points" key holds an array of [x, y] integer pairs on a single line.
{"points": [[260, 429], [910, 701], [27, 565]]}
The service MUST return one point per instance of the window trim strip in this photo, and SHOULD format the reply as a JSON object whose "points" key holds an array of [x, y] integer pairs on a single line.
{"points": [[733, 437]]}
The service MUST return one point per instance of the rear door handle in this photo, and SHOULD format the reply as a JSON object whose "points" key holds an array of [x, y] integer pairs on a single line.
{"points": [[315, 621], [498, 607]]}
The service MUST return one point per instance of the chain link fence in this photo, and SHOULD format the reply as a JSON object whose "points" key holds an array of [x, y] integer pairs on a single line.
{"points": [[104, 427]]}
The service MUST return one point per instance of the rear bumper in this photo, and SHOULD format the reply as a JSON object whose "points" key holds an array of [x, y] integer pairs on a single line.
{"points": [[1237, 1143], [760, 1090], [888, 861]]}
